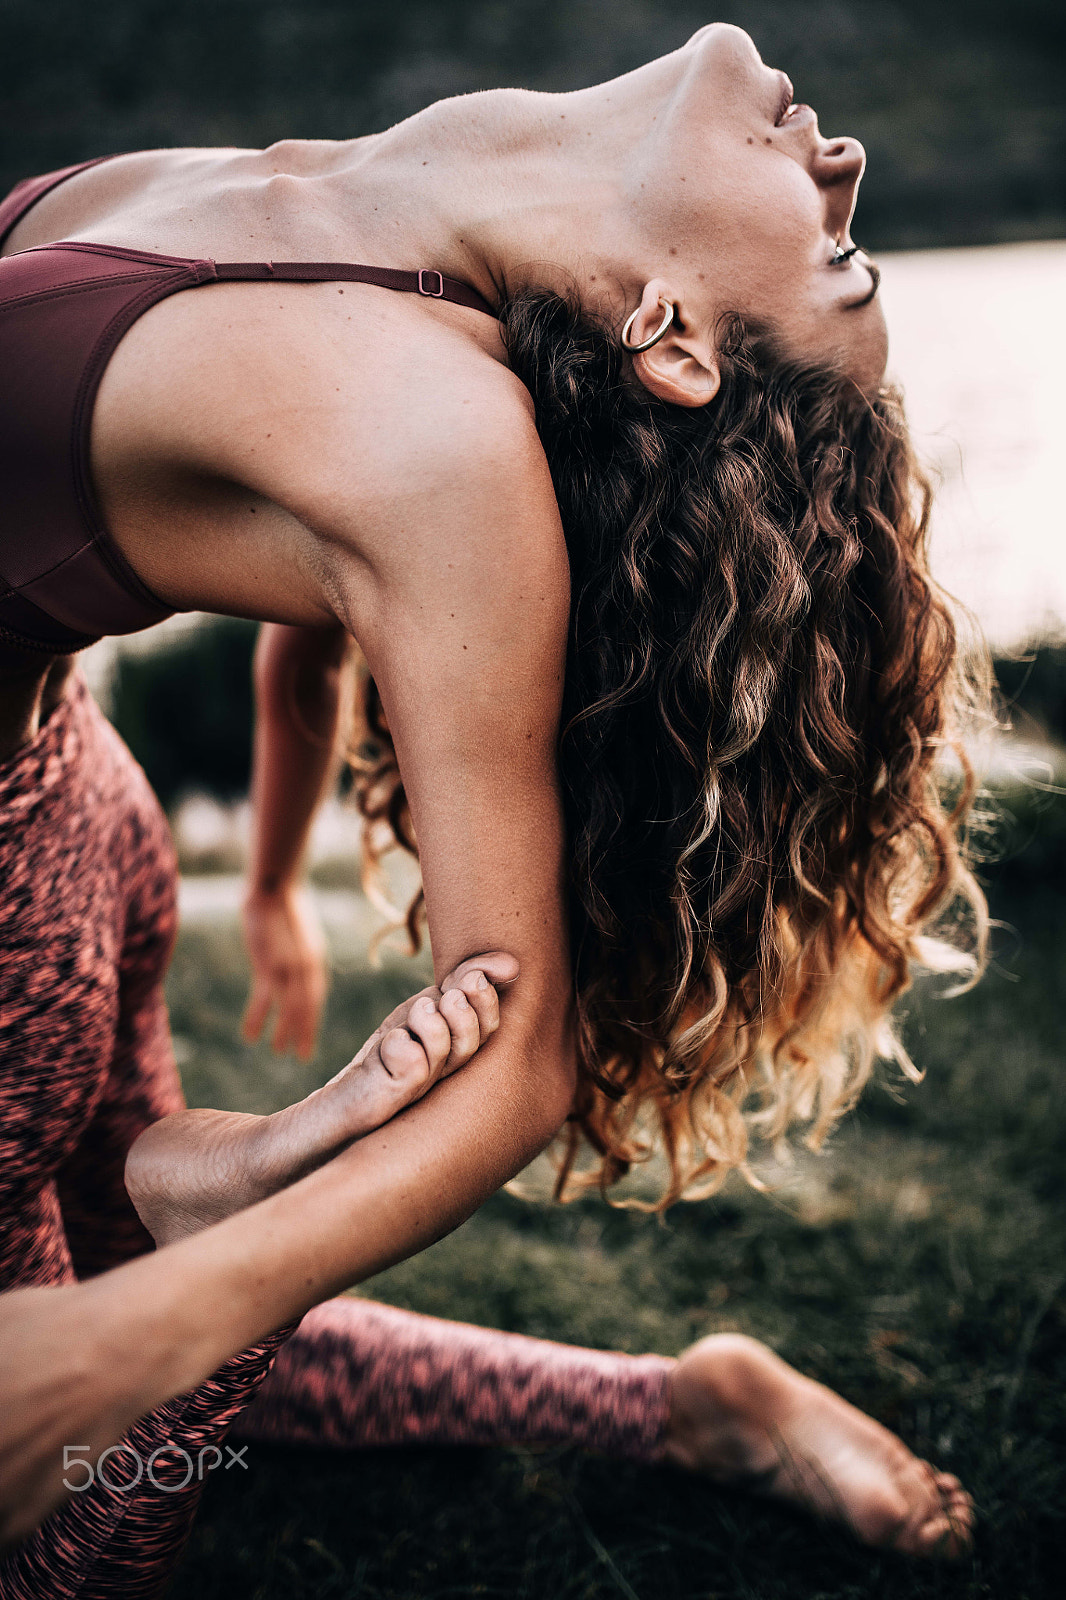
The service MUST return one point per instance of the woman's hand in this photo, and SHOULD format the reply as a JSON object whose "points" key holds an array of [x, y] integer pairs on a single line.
{"points": [[287, 950]]}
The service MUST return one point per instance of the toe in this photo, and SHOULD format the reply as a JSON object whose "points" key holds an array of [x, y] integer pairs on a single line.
{"points": [[430, 1028], [960, 1511], [484, 999], [404, 1058], [942, 1536], [956, 1502], [943, 1528], [462, 1021]]}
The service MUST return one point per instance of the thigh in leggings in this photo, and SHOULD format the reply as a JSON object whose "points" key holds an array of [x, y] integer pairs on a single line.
{"points": [[87, 921]]}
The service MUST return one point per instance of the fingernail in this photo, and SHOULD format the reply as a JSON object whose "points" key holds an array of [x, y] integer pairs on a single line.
{"points": [[482, 981], [424, 1005], [461, 1001]]}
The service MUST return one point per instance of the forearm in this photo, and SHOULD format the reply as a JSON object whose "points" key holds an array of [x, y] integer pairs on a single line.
{"points": [[298, 695], [386, 1197]]}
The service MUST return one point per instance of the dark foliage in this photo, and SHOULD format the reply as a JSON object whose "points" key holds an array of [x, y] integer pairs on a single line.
{"points": [[185, 710]]}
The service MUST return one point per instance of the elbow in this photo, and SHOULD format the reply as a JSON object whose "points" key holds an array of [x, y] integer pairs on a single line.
{"points": [[557, 1100], [549, 1086]]}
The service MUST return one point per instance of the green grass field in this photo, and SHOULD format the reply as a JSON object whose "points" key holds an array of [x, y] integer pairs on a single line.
{"points": [[918, 1267]]}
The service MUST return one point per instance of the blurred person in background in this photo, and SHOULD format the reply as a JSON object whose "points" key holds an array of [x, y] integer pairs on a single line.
{"points": [[619, 461]]}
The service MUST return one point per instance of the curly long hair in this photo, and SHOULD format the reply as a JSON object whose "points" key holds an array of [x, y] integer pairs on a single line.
{"points": [[762, 680]]}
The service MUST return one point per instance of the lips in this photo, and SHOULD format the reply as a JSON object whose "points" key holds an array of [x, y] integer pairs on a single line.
{"points": [[784, 105]]}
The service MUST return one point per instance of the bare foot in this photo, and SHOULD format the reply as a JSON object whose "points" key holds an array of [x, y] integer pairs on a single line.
{"points": [[196, 1167], [741, 1415]]}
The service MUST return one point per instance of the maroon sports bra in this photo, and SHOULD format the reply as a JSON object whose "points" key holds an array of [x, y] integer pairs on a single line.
{"points": [[64, 583]]}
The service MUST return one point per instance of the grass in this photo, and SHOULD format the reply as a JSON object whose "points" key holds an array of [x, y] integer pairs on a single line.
{"points": [[918, 1268]]}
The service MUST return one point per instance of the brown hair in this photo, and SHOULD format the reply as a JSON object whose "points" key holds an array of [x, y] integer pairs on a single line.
{"points": [[761, 677]]}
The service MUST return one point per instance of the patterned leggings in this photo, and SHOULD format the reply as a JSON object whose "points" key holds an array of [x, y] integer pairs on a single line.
{"points": [[87, 923]]}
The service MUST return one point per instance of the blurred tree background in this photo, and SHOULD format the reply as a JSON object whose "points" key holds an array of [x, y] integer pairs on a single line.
{"points": [[185, 709], [960, 103]]}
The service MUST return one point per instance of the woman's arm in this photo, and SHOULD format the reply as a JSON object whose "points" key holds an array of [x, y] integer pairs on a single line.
{"points": [[297, 693], [450, 569], [297, 675]]}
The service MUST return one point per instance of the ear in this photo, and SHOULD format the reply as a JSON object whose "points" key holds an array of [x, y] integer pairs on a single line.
{"points": [[682, 368]]}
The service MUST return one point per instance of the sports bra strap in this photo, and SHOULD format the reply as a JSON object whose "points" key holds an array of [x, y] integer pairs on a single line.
{"points": [[25, 195], [429, 282]]}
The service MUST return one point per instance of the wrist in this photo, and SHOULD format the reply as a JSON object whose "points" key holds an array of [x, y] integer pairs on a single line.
{"points": [[273, 885]]}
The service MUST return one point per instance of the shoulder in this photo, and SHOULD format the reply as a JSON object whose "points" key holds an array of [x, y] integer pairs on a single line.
{"points": [[456, 424], [342, 401], [385, 435], [453, 567], [427, 486], [435, 410]]}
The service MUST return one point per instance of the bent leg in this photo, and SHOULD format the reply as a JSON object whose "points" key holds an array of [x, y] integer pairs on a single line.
{"points": [[86, 924], [106, 1542], [357, 1373]]}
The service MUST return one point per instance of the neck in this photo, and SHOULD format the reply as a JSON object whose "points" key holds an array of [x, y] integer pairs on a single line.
{"points": [[511, 189]]}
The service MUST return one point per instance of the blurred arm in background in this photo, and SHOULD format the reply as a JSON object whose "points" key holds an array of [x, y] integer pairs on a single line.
{"points": [[298, 682]]}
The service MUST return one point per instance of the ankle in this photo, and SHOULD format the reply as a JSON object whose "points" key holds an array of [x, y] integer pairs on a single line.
{"points": [[297, 1140], [723, 1392]]}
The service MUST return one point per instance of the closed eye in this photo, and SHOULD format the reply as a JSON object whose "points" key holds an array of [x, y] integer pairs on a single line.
{"points": [[841, 258], [875, 273]]}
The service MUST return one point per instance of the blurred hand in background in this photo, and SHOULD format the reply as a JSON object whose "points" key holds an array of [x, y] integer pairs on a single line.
{"points": [[290, 976]]}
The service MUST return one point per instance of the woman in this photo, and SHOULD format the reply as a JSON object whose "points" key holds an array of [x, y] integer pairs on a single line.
{"points": [[759, 669]]}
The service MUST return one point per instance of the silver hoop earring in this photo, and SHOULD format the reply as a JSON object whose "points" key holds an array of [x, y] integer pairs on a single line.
{"points": [[646, 344]]}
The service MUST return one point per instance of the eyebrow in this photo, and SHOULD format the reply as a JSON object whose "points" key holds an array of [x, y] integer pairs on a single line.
{"points": [[875, 273]]}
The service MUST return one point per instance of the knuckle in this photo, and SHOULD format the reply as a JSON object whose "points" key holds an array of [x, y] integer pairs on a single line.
{"points": [[466, 1023]]}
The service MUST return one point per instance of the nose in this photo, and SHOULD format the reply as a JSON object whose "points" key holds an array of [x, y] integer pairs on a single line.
{"points": [[727, 36], [837, 166]]}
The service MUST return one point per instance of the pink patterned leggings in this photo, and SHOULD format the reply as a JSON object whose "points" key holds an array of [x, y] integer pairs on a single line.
{"points": [[87, 922]]}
